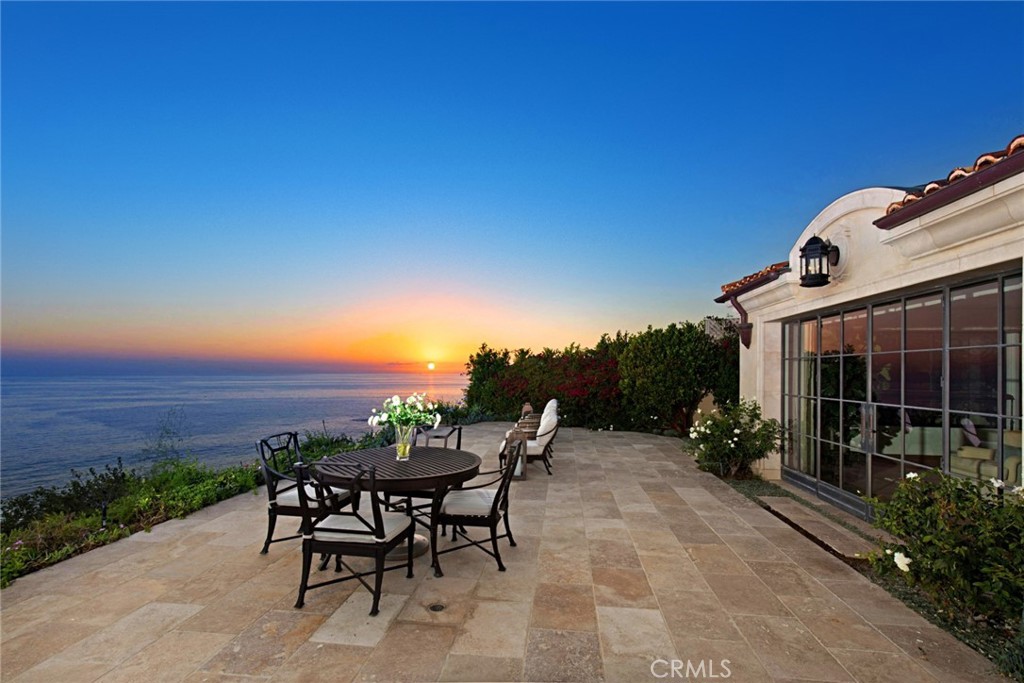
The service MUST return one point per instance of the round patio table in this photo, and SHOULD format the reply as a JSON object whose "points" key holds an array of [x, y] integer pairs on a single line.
{"points": [[428, 469]]}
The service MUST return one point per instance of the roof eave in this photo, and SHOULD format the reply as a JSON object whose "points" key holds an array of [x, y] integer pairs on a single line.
{"points": [[1001, 170], [752, 285]]}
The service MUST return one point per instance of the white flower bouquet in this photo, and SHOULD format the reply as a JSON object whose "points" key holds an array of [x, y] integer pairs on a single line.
{"points": [[405, 416]]}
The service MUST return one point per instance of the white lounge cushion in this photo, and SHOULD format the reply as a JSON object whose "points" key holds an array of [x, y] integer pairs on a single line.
{"points": [[471, 503], [551, 408], [331, 528], [290, 498], [534, 447]]}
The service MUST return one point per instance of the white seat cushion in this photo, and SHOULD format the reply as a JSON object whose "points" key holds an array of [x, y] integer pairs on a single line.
{"points": [[290, 498], [534, 447], [331, 528], [476, 503]]}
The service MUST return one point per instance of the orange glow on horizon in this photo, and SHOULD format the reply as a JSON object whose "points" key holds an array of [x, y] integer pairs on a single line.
{"points": [[374, 337]]}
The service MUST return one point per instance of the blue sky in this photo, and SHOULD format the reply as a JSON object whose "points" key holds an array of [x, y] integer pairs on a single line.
{"points": [[392, 183]]}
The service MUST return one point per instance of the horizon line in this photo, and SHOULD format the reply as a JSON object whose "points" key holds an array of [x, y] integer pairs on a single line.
{"points": [[46, 364]]}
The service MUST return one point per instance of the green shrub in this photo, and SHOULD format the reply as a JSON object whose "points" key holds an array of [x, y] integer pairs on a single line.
{"points": [[729, 440], [961, 542], [665, 373], [86, 492]]}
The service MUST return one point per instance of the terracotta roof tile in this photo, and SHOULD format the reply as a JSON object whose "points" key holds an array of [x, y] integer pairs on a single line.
{"points": [[763, 274], [984, 161]]}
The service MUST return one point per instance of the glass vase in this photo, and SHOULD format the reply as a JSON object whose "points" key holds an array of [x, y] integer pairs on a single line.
{"points": [[403, 440]]}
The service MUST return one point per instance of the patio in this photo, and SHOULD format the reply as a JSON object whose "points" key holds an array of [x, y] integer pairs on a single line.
{"points": [[628, 558]]}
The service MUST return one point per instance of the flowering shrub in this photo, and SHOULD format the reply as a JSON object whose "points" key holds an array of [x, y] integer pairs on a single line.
{"points": [[961, 543], [729, 440]]}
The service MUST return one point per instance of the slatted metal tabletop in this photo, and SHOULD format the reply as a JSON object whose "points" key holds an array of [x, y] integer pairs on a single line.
{"points": [[426, 468]]}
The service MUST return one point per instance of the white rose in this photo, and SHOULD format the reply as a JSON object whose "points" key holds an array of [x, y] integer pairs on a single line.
{"points": [[912, 475], [902, 561], [998, 483]]}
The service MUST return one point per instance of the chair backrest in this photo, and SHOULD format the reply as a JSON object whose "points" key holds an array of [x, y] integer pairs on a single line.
{"points": [[546, 430], [278, 455], [361, 487], [550, 409], [513, 456]]}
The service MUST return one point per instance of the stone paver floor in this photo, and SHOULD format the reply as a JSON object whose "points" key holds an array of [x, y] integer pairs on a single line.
{"points": [[628, 558]]}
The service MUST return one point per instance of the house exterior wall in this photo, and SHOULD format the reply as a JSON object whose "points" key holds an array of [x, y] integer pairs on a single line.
{"points": [[982, 231]]}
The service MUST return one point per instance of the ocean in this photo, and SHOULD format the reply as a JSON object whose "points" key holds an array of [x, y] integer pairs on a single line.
{"points": [[51, 425]]}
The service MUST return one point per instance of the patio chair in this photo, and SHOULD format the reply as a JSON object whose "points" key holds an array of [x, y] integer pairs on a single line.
{"points": [[550, 409], [369, 532], [478, 506], [540, 447], [278, 455], [444, 434]]}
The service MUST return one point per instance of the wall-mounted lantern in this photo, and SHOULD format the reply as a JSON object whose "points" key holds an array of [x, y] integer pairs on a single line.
{"points": [[815, 259]]}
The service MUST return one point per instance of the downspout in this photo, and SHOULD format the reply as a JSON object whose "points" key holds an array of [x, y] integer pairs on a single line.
{"points": [[745, 328]]}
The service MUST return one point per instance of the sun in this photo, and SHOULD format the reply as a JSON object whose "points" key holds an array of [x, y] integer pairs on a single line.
{"points": [[430, 365]]}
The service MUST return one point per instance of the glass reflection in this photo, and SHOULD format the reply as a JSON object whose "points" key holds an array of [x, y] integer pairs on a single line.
{"points": [[855, 472], [830, 430], [922, 436], [974, 315], [885, 476], [973, 445], [886, 386], [853, 425], [831, 341], [924, 322], [830, 463], [887, 327], [830, 377], [855, 331], [1012, 383], [973, 375], [1011, 310], [890, 426], [855, 378], [922, 379], [809, 337]]}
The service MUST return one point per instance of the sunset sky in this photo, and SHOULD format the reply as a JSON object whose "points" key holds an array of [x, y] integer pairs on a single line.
{"points": [[383, 185]]}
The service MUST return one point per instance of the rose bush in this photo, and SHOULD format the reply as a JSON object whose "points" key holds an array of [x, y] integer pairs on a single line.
{"points": [[960, 541]]}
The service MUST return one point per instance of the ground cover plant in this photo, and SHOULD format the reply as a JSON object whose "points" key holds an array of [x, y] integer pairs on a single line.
{"points": [[50, 524]]}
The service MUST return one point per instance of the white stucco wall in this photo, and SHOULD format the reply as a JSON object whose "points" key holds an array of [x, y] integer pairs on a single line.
{"points": [[980, 231]]}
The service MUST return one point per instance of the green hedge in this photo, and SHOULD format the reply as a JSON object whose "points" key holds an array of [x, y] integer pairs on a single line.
{"points": [[652, 380]]}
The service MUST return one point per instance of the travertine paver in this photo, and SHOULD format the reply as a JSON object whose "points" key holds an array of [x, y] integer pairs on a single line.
{"points": [[630, 565]]}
